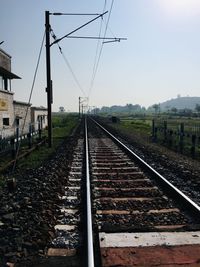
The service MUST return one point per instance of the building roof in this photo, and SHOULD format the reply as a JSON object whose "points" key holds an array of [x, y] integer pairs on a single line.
{"points": [[39, 108], [7, 74], [21, 103], [5, 53]]}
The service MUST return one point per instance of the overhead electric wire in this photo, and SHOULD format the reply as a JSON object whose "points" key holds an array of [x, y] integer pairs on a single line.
{"points": [[109, 17], [97, 64], [72, 72], [97, 49], [108, 28], [29, 100], [96, 38], [74, 14], [80, 27], [68, 64]]}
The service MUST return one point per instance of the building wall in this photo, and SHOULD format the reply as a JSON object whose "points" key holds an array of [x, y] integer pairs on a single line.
{"points": [[5, 60], [12, 113], [39, 116], [6, 113], [20, 110]]}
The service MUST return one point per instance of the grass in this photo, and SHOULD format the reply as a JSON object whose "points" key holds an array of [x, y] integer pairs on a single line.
{"points": [[137, 126], [142, 126], [62, 126]]}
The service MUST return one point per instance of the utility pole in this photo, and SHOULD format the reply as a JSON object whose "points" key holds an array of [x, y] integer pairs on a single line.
{"points": [[49, 82], [48, 61], [79, 107], [82, 109], [82, 101]]}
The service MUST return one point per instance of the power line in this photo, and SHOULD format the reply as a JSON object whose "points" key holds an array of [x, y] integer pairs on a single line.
{"points": [[97, 49], [82, 26], [74, 14], [97, 65], [108, 28], [72, 72], [115, 39], [67, 63], [29, 100], [97, 58], [109, 17]]}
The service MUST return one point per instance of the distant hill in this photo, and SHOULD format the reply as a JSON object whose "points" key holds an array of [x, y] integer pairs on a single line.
{"points": [[180, 103], [116, 109]]}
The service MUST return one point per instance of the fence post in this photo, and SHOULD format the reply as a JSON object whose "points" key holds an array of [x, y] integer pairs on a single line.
{"points": [[165, 131], [154, 131], [181, 137], [12, 142], [170, 138], [193, 146], [17, 137], [40, 128], [29, 137], [1, 143]]}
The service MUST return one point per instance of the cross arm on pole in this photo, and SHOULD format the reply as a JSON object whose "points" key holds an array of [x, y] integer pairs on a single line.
{"points": [[110, 39], [74, 14], [58, 40]]}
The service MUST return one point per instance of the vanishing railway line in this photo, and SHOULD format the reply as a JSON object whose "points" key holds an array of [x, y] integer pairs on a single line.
{"points": [[128, 203]]}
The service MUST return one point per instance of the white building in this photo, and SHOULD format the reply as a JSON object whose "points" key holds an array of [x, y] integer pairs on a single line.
{"points": [[39, 118], [15, 114]]}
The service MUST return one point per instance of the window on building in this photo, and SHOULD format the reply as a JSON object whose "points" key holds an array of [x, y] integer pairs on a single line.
{"points": [[17, 121], [1, 83], [5, 83], [5, 121]]}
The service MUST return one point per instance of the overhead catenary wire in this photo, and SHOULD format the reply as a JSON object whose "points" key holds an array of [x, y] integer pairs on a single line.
{"points": [[29, 100], [72, 72], [108, 28], [97, 58], [68, 64], [80, 27], [100, 52], [97, 47], [114, 39]]}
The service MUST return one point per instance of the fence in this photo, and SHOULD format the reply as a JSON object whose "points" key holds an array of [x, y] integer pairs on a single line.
{"points": [[181, 137], [10, 143]]}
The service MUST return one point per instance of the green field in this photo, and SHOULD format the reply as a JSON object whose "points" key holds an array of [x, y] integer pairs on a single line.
{"points": [[180, 134], [62, 126]]}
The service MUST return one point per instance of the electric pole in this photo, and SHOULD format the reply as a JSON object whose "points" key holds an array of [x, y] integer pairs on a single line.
{"points": [[49, 82], [79, 107], [48, 60]]}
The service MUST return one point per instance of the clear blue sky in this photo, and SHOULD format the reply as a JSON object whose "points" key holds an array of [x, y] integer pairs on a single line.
{"points": [[160, 59]]}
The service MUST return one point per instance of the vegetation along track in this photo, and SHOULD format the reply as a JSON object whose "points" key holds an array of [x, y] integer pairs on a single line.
{"points": [[133, 205], [137, 220]]}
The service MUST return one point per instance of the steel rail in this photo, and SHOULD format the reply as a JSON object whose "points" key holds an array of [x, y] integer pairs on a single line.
{"points": [[90, 249], [172, 189]]}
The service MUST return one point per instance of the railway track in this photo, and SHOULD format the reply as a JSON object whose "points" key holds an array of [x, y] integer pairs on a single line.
{"points": [[139, 218], [134, 206]]}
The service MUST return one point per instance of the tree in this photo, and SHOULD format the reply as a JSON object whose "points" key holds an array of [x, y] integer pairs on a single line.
{"points": [[174, 110], [197, 108], [129, 107], [156, 107], [61, 109]]}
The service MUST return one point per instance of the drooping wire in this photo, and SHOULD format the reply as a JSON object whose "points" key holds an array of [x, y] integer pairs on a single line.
{"points": [[100, 52], [29, 100], [109, 18], [97, 49], [68, 64], [108, 28]]}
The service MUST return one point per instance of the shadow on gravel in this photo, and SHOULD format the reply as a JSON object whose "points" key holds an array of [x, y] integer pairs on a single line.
{"points": [[53, 262]]}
